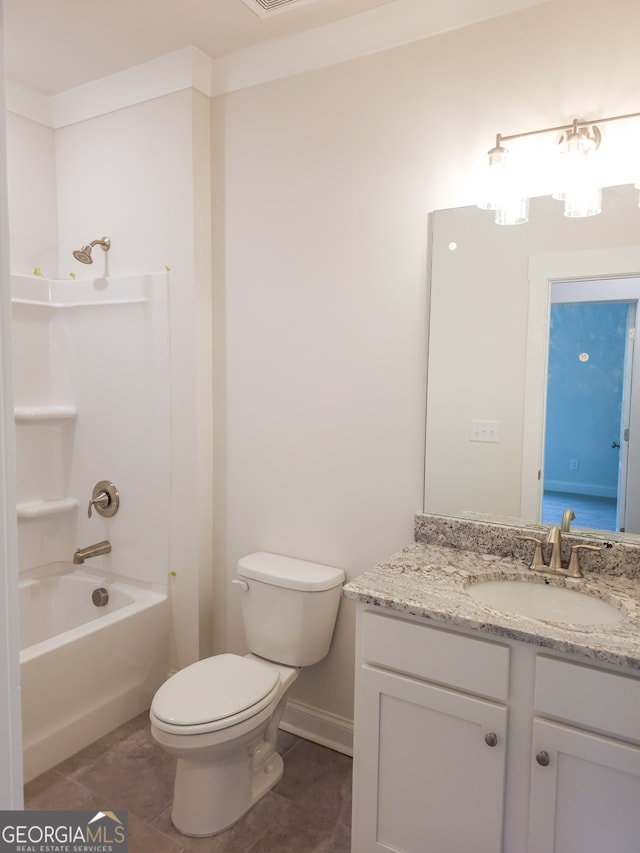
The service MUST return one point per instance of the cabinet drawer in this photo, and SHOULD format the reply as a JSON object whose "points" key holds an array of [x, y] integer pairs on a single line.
{"points": [[436, 654], [593, 698]]}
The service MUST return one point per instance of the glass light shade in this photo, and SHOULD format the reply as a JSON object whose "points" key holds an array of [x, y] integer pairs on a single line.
{"points": [[585, 202], [496, 179], [501, 192], [514, 211], [578, 184]]}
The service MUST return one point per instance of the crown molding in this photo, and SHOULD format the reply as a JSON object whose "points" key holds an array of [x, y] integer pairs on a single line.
{"points": [[27, 103], [188, 68], [389, 25]]}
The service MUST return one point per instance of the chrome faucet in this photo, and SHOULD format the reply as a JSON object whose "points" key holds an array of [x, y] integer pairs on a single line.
{"points": [[96, 550]]}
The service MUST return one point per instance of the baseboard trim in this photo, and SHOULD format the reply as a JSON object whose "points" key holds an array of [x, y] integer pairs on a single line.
{"points": [[318, 726]]}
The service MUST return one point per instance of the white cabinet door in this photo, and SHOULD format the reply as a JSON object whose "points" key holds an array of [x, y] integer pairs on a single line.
{"points": [[587, 798], [426, 780]]}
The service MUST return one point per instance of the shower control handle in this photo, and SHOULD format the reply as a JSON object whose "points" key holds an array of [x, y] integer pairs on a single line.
{"points": [[101, 502], [105, 499]]}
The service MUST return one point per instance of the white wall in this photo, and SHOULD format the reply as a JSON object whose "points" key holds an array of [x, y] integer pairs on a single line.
{"points": [[329, 178], [32, 194]]}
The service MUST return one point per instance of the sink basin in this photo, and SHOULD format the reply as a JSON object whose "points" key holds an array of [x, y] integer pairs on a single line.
{"points": [[544, 601]]}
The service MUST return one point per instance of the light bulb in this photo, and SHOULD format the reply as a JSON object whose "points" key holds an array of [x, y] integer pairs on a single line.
{"points": [[501, 191], [514, 211], [584, 201], [496, 178], [578, 184]]}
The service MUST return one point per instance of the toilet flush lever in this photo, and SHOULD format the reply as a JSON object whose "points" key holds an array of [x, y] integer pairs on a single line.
{"points": [[243, 585]]}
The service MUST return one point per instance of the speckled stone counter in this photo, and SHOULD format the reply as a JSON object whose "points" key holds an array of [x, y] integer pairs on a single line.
{"points": [[616, 556], [428, 579]]}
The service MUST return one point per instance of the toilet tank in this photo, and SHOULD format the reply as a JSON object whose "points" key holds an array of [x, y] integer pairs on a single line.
{"points": [[289, 607]]}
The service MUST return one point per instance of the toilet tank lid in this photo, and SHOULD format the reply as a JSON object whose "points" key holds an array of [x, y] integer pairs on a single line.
{"points": [[289, 572]]}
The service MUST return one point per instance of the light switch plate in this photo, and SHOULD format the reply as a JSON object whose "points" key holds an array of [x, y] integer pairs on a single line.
{"points": [[485, 431]]}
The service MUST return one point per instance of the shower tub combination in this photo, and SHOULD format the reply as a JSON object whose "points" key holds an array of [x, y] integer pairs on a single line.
{"points": [[85, 669]]}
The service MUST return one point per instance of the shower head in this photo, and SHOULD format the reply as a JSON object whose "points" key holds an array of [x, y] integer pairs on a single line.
{"points": [[84, 254]]}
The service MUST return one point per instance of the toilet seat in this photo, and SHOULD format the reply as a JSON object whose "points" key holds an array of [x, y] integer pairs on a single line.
{"points": [[213, 694]]}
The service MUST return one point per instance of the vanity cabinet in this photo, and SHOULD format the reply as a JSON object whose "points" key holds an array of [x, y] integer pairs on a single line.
{"points": [[470, 744], [585, 779], [587, 798], [430, 758]]}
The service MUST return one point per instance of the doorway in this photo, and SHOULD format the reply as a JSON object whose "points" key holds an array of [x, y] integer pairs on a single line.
{"points": [[588, 403]]}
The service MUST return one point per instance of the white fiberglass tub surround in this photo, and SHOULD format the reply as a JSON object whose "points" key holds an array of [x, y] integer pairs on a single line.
{"points": [[91, 364], [84, 669]]}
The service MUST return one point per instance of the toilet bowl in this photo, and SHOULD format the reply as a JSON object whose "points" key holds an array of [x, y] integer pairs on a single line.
{"points": [[219, 717], [213, 717]]}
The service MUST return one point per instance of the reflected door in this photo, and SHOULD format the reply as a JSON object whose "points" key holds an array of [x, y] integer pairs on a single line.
{"points": [[587, 422]]}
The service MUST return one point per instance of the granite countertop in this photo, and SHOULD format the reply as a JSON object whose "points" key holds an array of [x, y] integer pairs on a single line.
{"points": [[428, 580]]}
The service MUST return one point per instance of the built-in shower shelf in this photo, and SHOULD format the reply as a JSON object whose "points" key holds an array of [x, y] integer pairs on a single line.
{"points": [[44, 414], [40, 509], [43, 292]]}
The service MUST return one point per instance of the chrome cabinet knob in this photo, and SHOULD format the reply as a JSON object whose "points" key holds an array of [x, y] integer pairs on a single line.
{"points": [[491, 739], [543, 758]]}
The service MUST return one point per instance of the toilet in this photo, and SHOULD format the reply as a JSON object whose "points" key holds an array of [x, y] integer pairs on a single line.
{"points": [[219, 717]]}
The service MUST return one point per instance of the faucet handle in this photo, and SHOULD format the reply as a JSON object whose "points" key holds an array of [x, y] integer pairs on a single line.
{"points": [[100, 501], [573, 569], [105, 499], [538, 560]]}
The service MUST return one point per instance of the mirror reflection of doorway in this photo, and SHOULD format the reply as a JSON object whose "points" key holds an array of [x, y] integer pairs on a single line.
{"points": [[588, 407]]}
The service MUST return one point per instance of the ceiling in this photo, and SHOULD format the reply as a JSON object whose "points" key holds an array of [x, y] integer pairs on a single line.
{"points": [[55, 45]]}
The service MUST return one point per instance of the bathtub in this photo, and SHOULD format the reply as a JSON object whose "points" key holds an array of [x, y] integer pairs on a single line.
{"points": [[84, 669]]}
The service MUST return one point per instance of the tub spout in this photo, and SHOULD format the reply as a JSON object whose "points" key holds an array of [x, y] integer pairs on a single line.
{"points": [[83, 554]]}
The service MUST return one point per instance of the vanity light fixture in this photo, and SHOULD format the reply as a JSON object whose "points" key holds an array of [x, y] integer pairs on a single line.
{"points": [[577, 181], [501, 193]]}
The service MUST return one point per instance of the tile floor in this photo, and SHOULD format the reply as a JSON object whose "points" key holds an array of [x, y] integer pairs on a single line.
{"points": [[308, 811]]}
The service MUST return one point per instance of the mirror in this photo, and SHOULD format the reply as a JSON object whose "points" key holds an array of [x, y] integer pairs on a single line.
{"points": [[491, 291]]}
